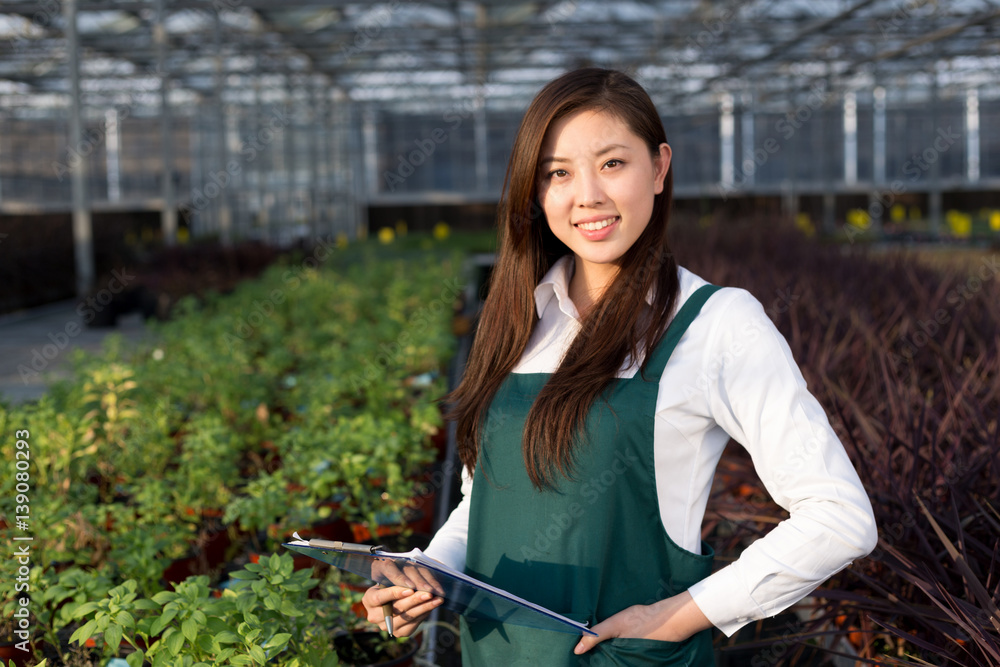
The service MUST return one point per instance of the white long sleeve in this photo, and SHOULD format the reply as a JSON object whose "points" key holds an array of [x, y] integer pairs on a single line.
{"points": [[449, 543]]}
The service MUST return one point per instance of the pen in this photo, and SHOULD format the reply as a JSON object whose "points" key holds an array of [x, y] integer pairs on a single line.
{"points": [[387, 612]]}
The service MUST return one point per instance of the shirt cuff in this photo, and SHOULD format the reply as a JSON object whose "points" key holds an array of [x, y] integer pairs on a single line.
{"points": [[724, 600]]}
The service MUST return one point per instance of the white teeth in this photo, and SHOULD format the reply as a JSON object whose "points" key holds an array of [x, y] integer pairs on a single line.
{"points": [[594, 226]]}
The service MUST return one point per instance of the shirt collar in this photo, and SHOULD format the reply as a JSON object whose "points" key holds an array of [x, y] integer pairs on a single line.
{"points": [[555, 283]]}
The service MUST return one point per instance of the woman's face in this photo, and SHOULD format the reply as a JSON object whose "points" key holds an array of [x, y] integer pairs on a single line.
{"points": [[597, 180]]}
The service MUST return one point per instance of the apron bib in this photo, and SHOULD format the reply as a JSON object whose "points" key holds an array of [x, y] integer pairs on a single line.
{"points": [[593, 546]]}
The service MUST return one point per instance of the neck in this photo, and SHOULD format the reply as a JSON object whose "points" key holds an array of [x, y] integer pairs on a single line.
{"points": [[589, 283]]}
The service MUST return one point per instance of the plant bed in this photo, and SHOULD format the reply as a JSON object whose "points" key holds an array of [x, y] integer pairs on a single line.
{"points": [[260, 402], [905, 360]]}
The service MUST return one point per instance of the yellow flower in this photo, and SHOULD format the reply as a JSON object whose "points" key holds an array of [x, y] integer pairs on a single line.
{"points": [[960, 223], [858, 217], [805, 224], [441, 231], [386, 235]]}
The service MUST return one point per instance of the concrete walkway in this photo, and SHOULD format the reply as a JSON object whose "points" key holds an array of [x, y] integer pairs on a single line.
{"points": [[36, 346]]}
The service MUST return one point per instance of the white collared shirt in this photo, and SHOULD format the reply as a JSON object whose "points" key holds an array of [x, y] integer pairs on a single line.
{"points": [[732, 375]]}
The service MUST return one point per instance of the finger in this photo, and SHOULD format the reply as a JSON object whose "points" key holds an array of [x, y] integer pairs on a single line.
{"points": [[417, 577], [379, 595], [416, 604], [375, 597], [587, 642], [407, 621], [438, 588], [423, 579], [391, 572]]}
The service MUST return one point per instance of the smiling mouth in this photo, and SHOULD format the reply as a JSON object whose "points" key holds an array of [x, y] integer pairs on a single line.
{"points": [[599, 224]]}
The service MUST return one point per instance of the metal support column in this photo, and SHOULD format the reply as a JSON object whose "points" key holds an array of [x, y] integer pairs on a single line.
{"points": [[749, 163], [315, 114], [259, 170], [850, 138], [112, 154], [878, 135], [288, 157], [83, 236], [326, 160], [366, 186], [878, 153], [168, 215], [201, 218], [727, 129], [481, 130], [222, 205], [934, 176], [972, 134]]}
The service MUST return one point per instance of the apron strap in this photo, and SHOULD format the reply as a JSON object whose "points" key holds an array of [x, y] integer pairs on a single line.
{"points": [[682, 320]]}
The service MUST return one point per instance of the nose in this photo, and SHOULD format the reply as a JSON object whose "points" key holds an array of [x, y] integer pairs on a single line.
{"points": [[590, 192]]}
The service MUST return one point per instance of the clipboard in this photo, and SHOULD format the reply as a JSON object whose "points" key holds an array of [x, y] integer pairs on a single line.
{"points": [[462, 594]]}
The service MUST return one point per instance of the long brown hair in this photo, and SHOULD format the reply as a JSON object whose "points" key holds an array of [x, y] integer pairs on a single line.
{"points": [[618, 327]]}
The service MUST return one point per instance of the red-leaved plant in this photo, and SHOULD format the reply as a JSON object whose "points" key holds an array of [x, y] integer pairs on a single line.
{"points": [[903, 354]]}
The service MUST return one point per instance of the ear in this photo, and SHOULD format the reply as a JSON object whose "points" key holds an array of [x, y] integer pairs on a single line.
{"points": [[661, 164]]}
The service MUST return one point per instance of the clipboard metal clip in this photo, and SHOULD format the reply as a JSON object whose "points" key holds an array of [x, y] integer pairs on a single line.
{"points": [[349, 547]]}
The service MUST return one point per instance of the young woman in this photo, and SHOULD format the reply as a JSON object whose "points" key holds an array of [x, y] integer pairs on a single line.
{"points": [[603, 385]]}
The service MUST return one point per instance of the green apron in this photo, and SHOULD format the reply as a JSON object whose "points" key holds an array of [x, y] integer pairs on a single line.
{"points": [[594, 546]]}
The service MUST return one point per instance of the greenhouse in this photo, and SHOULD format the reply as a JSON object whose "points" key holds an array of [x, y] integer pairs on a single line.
{"points": [[246, 247]]}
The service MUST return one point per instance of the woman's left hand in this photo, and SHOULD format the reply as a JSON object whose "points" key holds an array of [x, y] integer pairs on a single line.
{"points": [[671, 620]]}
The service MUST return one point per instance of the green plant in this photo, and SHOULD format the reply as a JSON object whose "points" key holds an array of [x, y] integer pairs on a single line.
{"points": [[378, 458], [208, 466], [267, 506], [265, 616], [114, 618], [277, 597], [62, 594], [107, 397], [136, 447], [140, 556], [196, 628]]}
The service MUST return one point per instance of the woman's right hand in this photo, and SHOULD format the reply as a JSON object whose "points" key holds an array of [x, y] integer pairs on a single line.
{"points": [[414, 594], [409, 607]]}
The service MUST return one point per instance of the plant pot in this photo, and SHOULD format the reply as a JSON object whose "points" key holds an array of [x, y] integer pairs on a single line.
{"points": [[362, 533], [213, 547], [409, 519], [334, 527], [9, 651], [366, 649], [180, 569]]}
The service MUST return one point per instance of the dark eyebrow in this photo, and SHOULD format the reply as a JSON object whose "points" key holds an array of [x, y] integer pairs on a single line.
{"points": [[603, 151], [608, 149]]}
